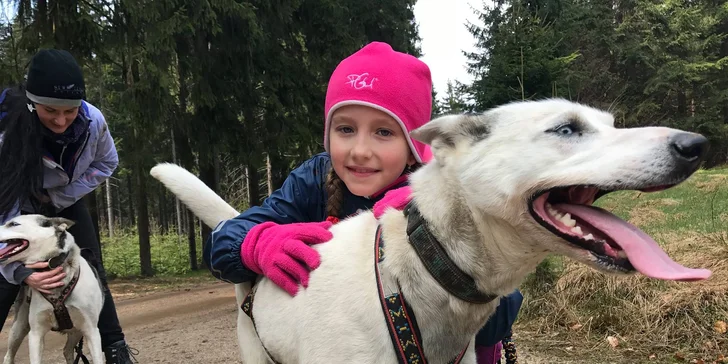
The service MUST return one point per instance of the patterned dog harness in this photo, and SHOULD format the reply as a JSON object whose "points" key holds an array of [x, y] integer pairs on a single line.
{"points": [[401, 322]]}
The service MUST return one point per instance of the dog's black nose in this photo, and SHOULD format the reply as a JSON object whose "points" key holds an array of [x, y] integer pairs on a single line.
{"points": [[689, 146]]}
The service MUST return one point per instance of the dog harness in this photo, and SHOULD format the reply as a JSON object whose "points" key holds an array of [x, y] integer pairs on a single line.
{"points": [[247, 307], [60, 311], [401, 322]]}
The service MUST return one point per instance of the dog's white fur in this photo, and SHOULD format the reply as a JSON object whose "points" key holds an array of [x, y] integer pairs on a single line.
{"points": [[37, 318], [475, 196]]}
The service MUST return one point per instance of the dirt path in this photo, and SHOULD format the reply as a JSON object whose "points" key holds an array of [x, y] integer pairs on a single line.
{"points": [[183, 326], [186, 325]]}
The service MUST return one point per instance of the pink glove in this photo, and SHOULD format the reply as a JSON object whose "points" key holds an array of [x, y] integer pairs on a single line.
{"points": [[397, 198], [282, 252]]}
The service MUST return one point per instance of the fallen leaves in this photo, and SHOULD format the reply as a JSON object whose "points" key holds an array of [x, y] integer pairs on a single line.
{"points": [[720, 327], [613, 341]]}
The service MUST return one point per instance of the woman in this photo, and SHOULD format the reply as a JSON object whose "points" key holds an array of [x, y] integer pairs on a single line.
{"points": [[55, 149]]}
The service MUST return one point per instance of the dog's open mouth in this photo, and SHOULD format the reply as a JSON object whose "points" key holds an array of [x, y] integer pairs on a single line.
{"points": [[11, 247], [615, 244]]}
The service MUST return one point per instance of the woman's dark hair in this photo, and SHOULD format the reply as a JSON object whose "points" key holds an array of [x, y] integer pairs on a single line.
{"points": [[21, 169]]}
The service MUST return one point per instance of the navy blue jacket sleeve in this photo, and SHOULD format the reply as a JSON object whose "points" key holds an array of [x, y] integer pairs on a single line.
{"points": [[298, 200], [500, 324]]}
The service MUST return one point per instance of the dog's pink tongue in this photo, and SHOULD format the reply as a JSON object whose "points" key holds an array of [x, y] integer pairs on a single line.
{"points": [[642, 251], [4, 248]]}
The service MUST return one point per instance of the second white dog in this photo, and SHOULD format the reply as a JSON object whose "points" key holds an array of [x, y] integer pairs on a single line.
{"points": [[36, 238]]}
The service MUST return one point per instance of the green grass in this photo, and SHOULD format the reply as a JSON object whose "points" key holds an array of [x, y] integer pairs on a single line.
{"points": [[170, 255], [570, 310], [698, 205]]}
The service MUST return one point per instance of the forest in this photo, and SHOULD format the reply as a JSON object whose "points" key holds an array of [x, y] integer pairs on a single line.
{"points": [[233, 90]]}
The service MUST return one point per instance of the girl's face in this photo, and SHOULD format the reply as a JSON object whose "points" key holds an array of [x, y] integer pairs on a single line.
{"points": [[56, 118], [368, 148]]}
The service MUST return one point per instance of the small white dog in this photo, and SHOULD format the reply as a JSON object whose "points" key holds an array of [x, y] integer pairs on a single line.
{"points": [[36, 238], [505, 189]]}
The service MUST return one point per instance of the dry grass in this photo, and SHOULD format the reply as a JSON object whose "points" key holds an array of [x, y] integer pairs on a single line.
{"points": [[713, 183], [643, 216], [570, 309]]}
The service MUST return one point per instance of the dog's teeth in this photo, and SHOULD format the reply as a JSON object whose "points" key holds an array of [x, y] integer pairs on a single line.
{"points": [[567, 220], [577, 230], [551, 210], [589, 237], [556, 214]]}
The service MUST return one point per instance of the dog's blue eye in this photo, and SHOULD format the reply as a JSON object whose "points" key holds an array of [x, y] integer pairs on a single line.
{"points": [[13, 224], [565, 130]]}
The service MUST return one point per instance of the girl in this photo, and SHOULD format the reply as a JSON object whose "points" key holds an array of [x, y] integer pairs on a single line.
{"points": [[375, 97], [55, 149]]}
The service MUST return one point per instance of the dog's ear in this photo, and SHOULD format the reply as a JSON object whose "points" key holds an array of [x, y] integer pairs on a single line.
{"points": [[61, 223], [445, 132]]}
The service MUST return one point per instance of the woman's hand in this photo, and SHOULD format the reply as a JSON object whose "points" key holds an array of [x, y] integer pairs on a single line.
{"points": [[45, 281]]}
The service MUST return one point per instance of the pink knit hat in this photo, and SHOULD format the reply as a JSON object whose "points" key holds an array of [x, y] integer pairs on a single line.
{"points": [[379, 77]]}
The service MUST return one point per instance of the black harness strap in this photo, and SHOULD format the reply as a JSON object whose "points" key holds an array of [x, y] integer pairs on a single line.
{"points": [[401, 322], [247, 307], [79, 353], [60, 311]]}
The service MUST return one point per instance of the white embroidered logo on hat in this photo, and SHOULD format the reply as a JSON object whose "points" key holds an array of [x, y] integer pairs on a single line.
{"points": [[360, 81]]}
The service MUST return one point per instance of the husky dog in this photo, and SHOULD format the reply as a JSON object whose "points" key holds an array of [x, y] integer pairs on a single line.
{"points": [[505, 189], [72, 309]]}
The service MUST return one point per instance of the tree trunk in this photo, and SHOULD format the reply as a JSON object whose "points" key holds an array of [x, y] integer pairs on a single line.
{"points": [[253, 184], [162, 210], [109, 208], [130, 199], [177, 210], [724, 53], [269, 172], [682, 102], [145, 254], [208, 174], [191, 240], [117, 202], [100, 208]]}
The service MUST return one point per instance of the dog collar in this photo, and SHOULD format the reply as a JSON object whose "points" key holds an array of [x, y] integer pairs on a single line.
{"points": [[54, 262], [438, 263]]}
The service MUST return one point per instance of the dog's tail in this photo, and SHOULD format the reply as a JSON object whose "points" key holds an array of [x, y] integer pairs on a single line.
{"points": [[211, 209], [200, 199]]}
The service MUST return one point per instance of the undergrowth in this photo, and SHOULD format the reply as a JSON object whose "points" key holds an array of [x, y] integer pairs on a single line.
{"points": [[170, 254]]}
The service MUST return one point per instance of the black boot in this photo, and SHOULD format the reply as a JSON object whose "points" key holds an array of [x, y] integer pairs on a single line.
{"points": [[120, 353]]}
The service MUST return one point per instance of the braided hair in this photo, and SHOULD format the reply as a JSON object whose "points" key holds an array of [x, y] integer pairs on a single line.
{"points": [[335, 189]]}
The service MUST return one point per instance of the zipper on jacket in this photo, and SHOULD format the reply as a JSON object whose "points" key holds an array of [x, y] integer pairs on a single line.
{"points": [[80, 150], [60, 159]]}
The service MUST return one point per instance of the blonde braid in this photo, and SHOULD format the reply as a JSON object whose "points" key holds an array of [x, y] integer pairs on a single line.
{"points": [[334, 187]]}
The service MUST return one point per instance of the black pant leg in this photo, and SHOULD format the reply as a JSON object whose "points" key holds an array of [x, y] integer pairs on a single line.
{"points": [[85, 236], [8, 293]]}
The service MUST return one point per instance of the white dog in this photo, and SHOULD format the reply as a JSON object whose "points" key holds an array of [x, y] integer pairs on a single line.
{"points": [[505, 189], [36, 238]]}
